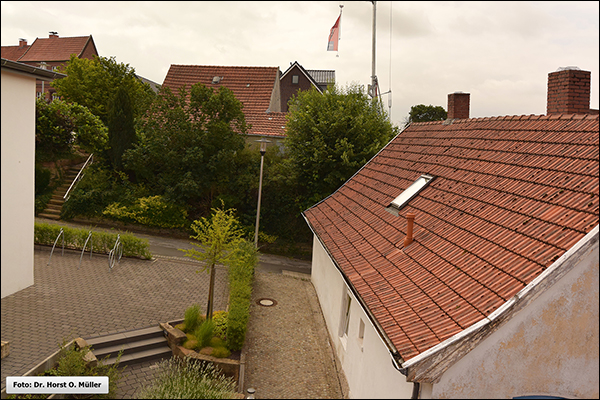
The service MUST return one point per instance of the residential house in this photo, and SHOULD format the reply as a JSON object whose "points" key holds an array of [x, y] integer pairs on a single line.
{"points": [[462, 260], [50, 53], [297, 78], [257, 88], [18, 175]]}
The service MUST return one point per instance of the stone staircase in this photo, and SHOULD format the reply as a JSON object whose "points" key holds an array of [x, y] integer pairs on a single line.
{"points": [[138, 345], [56, 202]]}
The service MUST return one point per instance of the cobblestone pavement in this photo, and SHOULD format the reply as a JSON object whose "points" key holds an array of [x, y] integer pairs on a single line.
{"points": [[288, 355], [287, 350]]}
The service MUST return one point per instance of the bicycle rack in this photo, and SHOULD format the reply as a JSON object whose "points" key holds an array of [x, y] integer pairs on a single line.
{"points": [[116, 251], [83, 251], [63, 244]]}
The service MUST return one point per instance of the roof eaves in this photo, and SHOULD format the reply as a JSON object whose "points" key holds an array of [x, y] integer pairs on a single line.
{"points": [[39, 73]]}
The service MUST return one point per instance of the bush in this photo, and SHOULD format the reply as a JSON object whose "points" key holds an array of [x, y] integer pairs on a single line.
{"points": [[149, 211], [189, 379], [220, 320], [241, 275], [100, 242], [204, 333], [42, 179], [192, 318]]}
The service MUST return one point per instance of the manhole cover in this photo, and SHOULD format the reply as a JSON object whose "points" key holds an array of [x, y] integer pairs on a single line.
{"points": [[266, 302]]}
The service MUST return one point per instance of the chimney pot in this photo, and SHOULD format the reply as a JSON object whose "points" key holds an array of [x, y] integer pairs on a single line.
{"points": [[410, 218], [458, 105]]}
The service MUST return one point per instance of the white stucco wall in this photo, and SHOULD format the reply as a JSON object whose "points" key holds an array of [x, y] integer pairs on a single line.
{"points": [[18, 163], [548, 348], [367, 364]]}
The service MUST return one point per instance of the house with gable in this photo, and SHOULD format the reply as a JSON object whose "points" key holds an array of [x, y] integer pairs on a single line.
{"points": [[50, 53], [462, 260], [296, 78], [257, 88]]}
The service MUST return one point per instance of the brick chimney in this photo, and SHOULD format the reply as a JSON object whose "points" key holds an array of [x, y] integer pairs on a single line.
{"points": [[22, 42], [53, 35], [568, 91], [458, 105]]}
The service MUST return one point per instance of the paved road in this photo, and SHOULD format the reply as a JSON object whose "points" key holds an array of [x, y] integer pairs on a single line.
{"points": [[287, 347]]}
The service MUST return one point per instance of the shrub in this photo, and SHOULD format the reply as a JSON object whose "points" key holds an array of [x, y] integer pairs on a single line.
{"points": [[149, 211], [191, 342], [204, 333], [42, 179], [241, 275], [191, 318], [189, 379], [101, 242], [220, 320]]}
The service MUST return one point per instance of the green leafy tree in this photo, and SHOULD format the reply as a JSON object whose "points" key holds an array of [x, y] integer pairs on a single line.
{"points": [[189, 146], [93, 83], [220, 238], [423, 113], [330, 136], [121, 129], [60, 125]]}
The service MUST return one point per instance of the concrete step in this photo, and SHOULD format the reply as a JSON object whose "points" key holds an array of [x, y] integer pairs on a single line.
{"points": [[137, 345], [58, 201], [49, 216]]}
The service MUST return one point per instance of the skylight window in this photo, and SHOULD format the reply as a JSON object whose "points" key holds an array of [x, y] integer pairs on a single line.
{"points": [[411, 191]]}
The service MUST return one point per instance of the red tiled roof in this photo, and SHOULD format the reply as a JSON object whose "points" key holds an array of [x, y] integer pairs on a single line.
{"points": [[13, 52], [510, 195], [267, 124], [55, 49], [253, 86]]}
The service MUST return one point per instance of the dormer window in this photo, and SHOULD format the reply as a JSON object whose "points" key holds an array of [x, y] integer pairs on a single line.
{"points": [[411, 191]]}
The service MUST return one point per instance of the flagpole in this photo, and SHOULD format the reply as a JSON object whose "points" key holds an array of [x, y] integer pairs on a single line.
{"points": [[373, 76]]}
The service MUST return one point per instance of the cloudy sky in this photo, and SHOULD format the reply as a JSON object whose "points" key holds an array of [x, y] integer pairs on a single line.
{"points": [[499, 52]]}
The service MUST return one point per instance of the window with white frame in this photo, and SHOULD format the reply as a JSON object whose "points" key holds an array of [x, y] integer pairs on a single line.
{"points": [[295, 79], [346, 316]]}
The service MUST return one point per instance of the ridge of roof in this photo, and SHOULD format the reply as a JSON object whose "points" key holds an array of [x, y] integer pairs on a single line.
{"points": [[524, 117]]}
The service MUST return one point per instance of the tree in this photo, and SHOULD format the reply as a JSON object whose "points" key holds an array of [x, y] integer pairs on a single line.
{"points": [[121, 130], [220, 239], [93, 83], [60, 125], [423, 113], [189, 145], [330, 136]]}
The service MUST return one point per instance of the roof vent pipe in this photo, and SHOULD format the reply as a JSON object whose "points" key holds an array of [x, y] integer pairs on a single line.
{"points": [[410, 218]]}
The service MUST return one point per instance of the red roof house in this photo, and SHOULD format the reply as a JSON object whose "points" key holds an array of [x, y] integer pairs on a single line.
{"points": [[467, 251], [257, 88], [50, 53]]}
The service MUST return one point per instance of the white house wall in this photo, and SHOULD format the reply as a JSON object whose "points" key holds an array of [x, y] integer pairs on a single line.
{"points": [[18, 158], [367, 364], [548, 348]]}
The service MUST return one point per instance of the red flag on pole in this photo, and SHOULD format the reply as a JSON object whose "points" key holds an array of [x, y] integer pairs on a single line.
{"points": [[334, 35]]}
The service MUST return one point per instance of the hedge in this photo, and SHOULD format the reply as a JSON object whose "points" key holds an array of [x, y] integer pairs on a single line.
{"points": [[100, 242]]}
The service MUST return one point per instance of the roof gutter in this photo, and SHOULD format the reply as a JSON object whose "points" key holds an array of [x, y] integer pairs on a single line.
{"points": [[39, 73], [395, 355], [526, 295]]}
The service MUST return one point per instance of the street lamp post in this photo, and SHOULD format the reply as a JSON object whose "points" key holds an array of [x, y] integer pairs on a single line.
{"points": [[263, 149]]}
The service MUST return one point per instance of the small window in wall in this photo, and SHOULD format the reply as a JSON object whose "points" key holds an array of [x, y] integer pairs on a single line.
{"points": [[39, 95], [295, 79], [346, 318], [55, 96], [361, 333], [411, 191]]}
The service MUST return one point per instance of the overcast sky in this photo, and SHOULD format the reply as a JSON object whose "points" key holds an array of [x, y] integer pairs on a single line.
{"points": [[499, 52]]}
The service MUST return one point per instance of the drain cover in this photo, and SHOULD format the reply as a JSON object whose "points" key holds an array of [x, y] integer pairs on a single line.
{"points": [[266, 302]]}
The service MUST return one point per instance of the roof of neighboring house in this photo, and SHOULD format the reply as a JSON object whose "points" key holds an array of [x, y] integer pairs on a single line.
{"points": [[39, 73], [252, 86], [267, 124], [311, 79], [510, 195], [13, 52], [322, 77], [56, 48]]}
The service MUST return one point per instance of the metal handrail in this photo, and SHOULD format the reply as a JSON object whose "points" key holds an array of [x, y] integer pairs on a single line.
{"points": [[78, 177], [84, 245], [117, 250], [63, 244]]}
